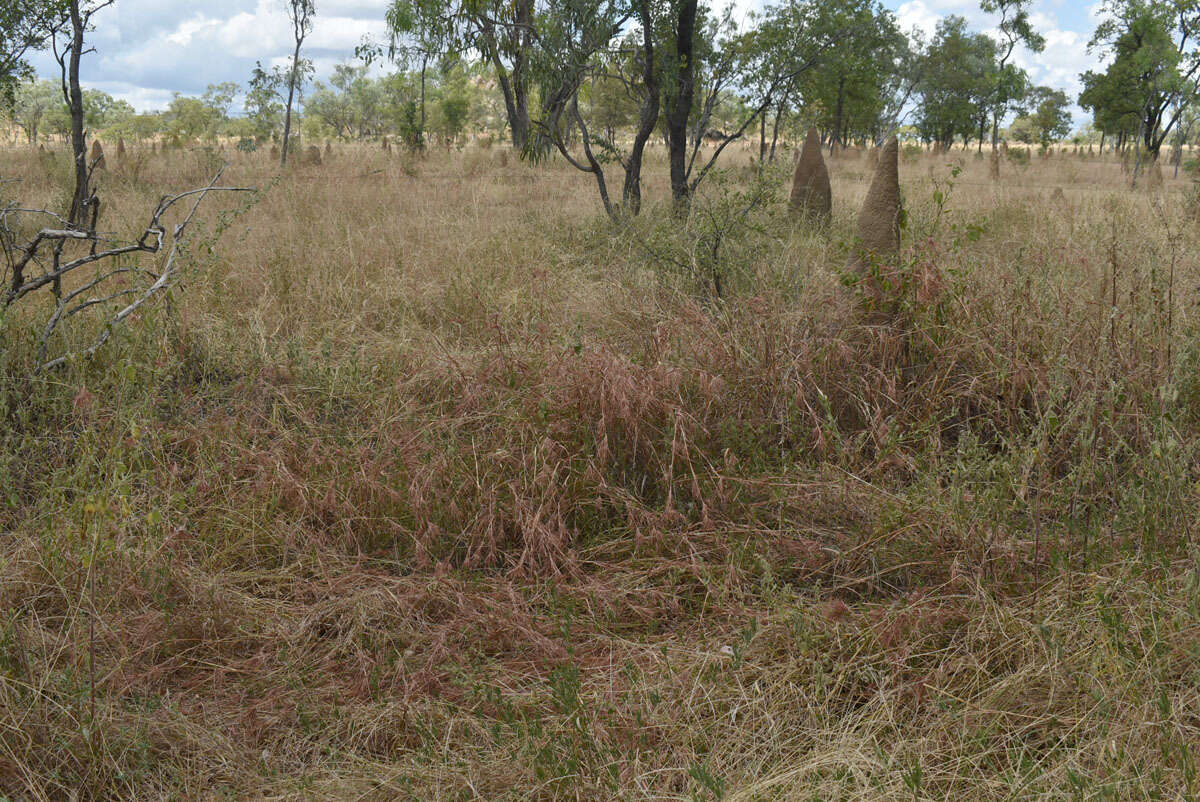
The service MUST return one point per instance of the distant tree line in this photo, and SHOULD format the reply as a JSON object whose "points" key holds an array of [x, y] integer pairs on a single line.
{"points": [[596, 81]]}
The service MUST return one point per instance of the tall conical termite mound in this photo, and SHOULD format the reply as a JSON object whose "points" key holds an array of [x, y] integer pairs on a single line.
{"points": [[97, 159], [812, 197], [1154, 175], [877, 248]]}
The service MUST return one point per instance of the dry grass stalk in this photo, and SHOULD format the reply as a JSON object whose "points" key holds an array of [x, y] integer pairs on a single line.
{"points": [[422, 494]]}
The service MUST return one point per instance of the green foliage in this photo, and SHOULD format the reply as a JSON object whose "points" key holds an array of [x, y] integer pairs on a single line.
{"points": [[1023, 130], [1011, 82], [25, 26], [264, 107], [959, 76], [1019, 156], [188, 119], [500, 33], [34, 104], [39, 107], [1154, 68], [409, 126], [846, 91], [1050, 117], [731, 218]]}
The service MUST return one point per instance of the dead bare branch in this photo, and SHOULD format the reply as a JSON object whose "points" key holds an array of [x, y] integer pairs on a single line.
{"points": [[153, 240]]}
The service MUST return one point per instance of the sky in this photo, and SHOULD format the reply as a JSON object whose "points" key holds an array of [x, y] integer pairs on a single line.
{"points": [[147, 50]]}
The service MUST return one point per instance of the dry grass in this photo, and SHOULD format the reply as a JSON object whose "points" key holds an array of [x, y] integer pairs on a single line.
{"points": [[433, 486]]}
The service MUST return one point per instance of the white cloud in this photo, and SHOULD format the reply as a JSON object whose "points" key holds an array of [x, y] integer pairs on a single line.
{"points": [[146, 50], [916, 14]]}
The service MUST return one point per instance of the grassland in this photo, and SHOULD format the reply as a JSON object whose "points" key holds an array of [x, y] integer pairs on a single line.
{"points": [[430, 483]]}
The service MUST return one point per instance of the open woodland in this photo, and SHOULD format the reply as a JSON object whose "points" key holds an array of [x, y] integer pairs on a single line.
{"points": [[428, 481], [599, 400]]}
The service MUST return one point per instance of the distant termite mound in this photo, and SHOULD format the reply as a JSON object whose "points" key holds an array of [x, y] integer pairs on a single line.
{"points": [[877, 249], [97, 155], [1154, 175], [812, 197]]}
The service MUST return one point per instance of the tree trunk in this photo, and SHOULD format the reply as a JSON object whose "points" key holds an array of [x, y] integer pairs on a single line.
{"points": [[680, 106], [421, 130], [514, 85], [775, 128], [519, 133], [78, 214], [632, 192], [838, 111], [287, 117], [762, 139]]}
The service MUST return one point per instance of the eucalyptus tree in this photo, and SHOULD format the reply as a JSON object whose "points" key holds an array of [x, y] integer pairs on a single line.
{"points": [[219, 97], [1011, 83], [959, 74], [421, 32], [263, 103], [501, 33], [848, 87], [765, 64], [1154, 71], [300, 13], [1048, 114], [25, 26], [1110, 97], [35, 102], [902, 81], [69, 47], [188, 119], [578, 41], [333, 104]]}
